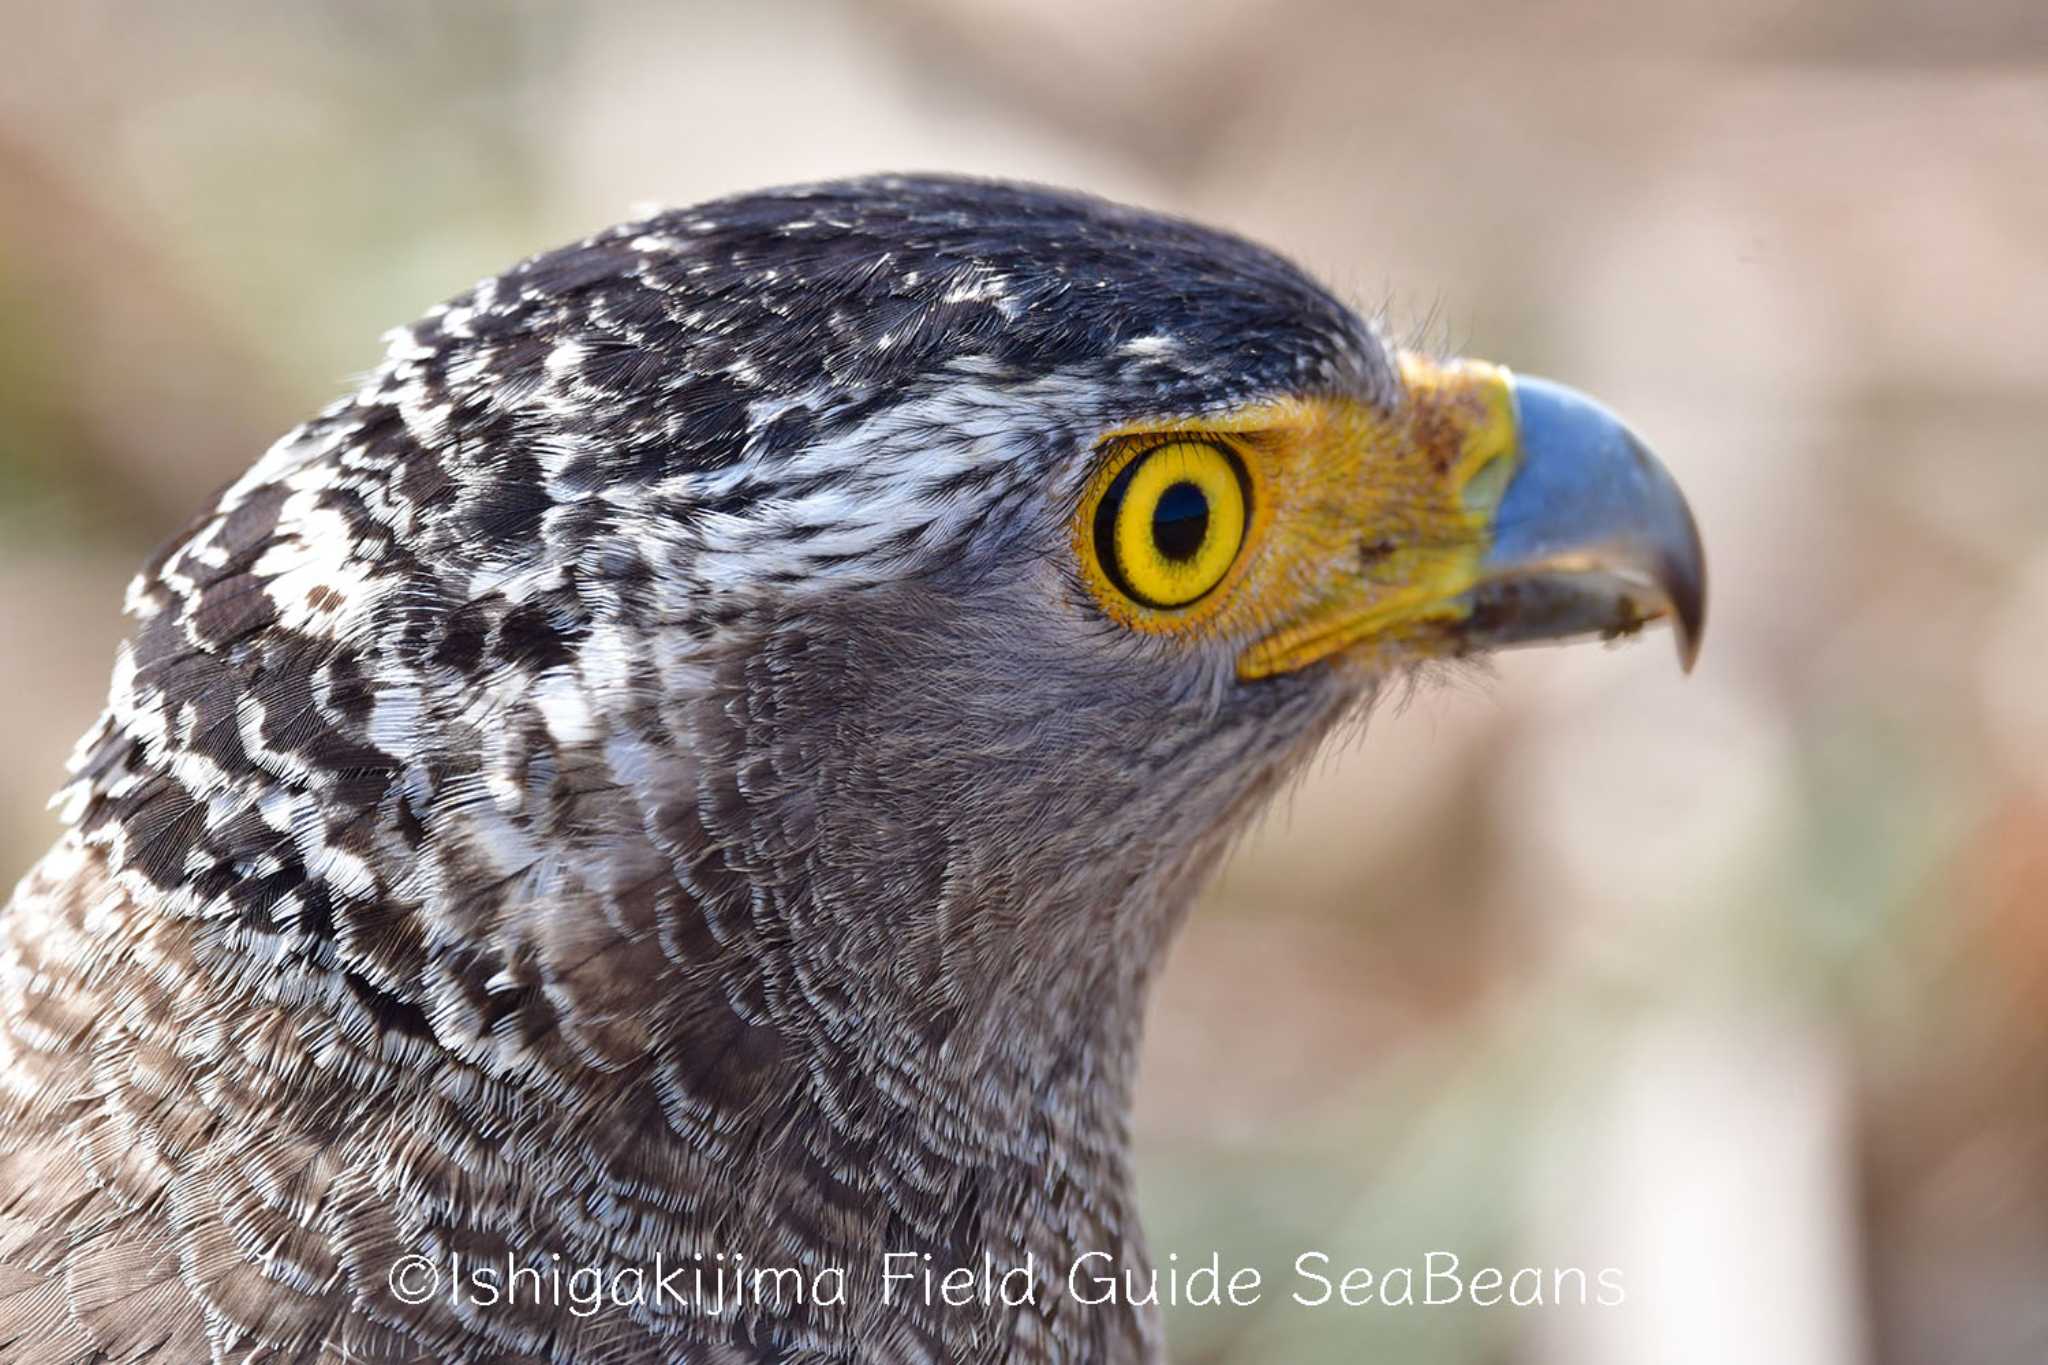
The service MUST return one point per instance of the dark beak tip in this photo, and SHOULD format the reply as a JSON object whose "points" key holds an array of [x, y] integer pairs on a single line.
{"points": [[1685, 583], [1688, 639]]}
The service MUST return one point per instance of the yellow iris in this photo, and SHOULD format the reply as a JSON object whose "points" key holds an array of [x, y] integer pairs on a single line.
{"points": [[1171, 523]]}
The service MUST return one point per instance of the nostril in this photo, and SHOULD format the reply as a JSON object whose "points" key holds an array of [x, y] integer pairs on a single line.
{"points": [[1371, 552]]}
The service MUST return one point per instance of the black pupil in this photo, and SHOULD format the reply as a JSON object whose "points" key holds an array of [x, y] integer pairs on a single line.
{"points": [[1180, 522]]}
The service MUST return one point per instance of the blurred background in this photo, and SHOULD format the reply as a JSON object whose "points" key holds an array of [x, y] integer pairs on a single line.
{"points": [[1735, 983]]}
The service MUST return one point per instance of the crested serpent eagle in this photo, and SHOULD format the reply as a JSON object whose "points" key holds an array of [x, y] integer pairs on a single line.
{"points": [[692, 767]]}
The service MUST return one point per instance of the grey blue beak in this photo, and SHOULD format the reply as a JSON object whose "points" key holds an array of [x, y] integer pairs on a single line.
{"points": [[1592, 536]]}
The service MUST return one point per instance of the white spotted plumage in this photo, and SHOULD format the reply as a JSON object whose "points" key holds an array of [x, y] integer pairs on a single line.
{"points": [[635, 777]]}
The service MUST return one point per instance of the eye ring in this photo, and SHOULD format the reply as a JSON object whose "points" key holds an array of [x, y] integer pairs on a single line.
{"points": [[1172, 522]]}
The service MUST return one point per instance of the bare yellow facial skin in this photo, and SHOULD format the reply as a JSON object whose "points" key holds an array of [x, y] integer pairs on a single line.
{"points": [[1365, 528]]}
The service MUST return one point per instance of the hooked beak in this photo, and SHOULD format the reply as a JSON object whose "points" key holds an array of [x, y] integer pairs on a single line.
{"points": [[1491, 510], [1591, 537]]}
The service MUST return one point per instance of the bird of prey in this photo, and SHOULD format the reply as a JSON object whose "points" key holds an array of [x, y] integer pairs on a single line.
{"points": [[694, 764]]}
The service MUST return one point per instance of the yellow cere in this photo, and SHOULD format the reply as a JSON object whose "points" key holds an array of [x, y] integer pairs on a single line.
{"points": [[1308, 527]]}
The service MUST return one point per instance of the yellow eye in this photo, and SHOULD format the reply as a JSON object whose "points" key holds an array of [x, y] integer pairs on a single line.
{"points": [[1170, 524]]}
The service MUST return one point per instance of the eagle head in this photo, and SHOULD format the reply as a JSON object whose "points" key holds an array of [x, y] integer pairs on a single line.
{"points": [[702, 752]]}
